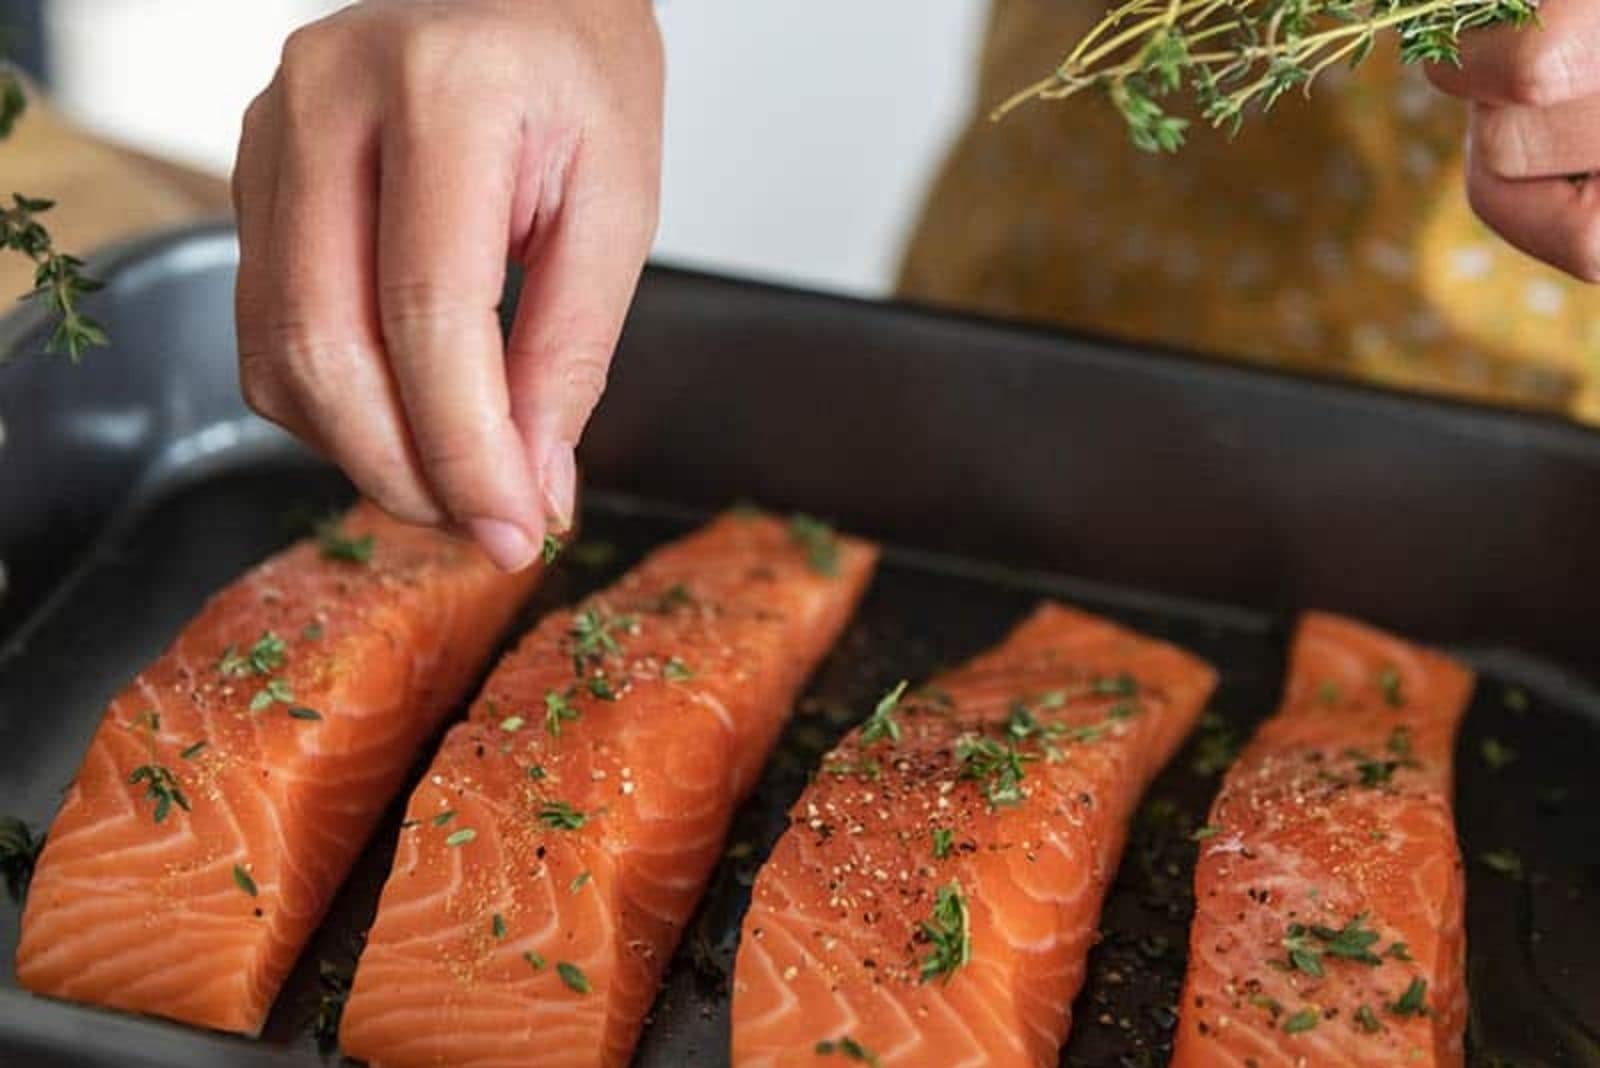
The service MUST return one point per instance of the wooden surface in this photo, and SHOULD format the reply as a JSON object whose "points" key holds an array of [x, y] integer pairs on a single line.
{"points": [[103, 192]]}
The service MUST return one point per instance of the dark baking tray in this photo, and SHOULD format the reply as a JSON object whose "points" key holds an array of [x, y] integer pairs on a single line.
{"points": [[1195, 500]]}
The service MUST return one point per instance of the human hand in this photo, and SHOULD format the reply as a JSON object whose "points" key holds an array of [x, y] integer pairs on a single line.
{"points": [[403, 152], [1534, 95]]}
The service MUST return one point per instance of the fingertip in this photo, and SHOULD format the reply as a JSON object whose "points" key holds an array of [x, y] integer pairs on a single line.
{"points": [[506, 544]]}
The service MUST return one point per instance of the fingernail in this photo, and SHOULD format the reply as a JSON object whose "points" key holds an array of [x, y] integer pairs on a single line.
{"points": [[504, 543], [559, 478]]}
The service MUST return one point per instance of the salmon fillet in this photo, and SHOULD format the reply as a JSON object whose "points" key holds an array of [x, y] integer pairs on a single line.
{"points": [[557, 846], [1329, 921], [938, 889], [230, 786]]}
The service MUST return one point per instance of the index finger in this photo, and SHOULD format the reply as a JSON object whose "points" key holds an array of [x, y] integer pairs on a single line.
{"points": [[444, 215], [1553, 59]]}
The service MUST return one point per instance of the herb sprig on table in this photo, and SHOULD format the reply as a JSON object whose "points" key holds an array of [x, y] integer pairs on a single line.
{"points": [[58, 278], [1230, 56]]}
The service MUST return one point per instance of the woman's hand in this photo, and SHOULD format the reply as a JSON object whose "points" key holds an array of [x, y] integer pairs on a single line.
{"points": [[403, 152], [1535, 132]]}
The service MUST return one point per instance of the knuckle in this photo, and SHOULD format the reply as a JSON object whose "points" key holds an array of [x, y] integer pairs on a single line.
{"points": [[583, 374], [425, 55], [1499, 140], [412, 308], [1541, 71]]}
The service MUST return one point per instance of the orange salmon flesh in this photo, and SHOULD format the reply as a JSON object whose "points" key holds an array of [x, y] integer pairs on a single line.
{"points": [[559, 843], [230, 786], [1329, 921], [939, 887]]}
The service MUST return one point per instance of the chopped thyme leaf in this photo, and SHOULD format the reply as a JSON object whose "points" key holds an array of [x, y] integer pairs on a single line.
{"points": [[497, 926], [1209, 830], [1367, 1020], [1123, 710], [999, 769], [578, 882], [1505, 861], [334, 990], [19, 851], [312, 632], [943, 839], [849, 1049], [561, 816], [677, 596], [573, 976], [245, 883], [593, 638], [336, 545], [1329, 694], [866, 768], [190, 752], [1413, 1002], [1123, 685], [1400, 742], [444, 817], [948, 933], [1304, 955], [1261, 1001], [302, 712], [1353, 941], [536, 772], [551, 549], [882, 724], [149, 719], [1389, 682], [558, 708], [535, 960], [1304, 1020], [818, 540], [1216, 747], [1496, 754], [600, 686], [675, 670], [276, 689], [512, 724], [1022, 724], [1398, 951], [267, 655], [461, 837], [161, 786]]}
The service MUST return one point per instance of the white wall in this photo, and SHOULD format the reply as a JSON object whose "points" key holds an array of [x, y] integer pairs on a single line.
{"points": [[799, 136]]}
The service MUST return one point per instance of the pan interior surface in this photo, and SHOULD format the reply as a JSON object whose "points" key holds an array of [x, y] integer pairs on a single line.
{"points": [[205, 517]]}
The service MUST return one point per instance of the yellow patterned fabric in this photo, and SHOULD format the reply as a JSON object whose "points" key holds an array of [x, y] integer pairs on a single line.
{"points": [[1332, 235]]}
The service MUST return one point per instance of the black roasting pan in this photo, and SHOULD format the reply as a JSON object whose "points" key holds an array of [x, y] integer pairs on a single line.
{"points": [[1200, 501]]}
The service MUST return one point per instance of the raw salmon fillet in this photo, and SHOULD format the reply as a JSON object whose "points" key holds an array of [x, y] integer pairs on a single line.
{"points": [[232, 783], [1329, 921], [938, 889], [557, 846]]}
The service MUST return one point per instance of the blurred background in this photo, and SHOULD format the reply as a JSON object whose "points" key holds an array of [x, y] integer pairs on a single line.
{"points": [[779, 163]]}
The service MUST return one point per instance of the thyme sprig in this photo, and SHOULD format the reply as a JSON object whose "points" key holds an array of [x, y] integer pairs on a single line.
{"points": [[948, 934], [1236, 55], [58, 277], [19, 851]]}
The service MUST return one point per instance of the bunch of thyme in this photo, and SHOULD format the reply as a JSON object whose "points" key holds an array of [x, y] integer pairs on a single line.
{"points": [[58, 278], [1234, 55]]}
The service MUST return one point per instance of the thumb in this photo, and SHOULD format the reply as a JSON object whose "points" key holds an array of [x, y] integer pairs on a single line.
{"points": [[579, 284]]}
